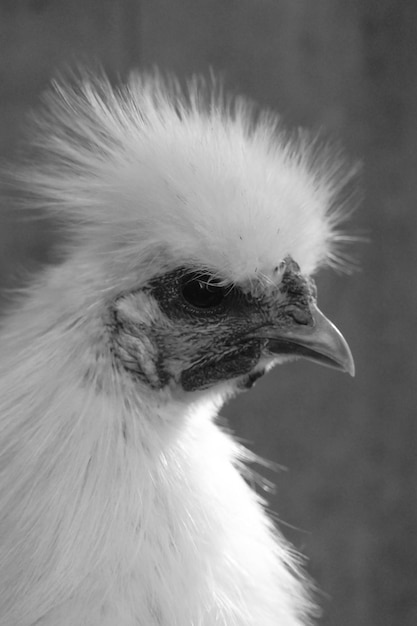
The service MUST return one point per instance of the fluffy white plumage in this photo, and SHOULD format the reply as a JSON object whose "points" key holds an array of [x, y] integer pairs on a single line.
{"points": [[121, 500]]}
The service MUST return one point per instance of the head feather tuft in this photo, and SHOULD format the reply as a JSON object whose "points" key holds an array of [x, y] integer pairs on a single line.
{"points": [[153, 172]]}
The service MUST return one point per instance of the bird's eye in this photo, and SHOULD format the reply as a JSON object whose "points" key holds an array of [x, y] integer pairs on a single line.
{"points": [[202, 292]]}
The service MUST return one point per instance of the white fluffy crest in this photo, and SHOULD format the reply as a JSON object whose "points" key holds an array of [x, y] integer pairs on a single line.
{"points": [[193, 175]]}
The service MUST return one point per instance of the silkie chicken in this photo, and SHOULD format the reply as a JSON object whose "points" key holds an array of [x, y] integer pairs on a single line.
{"points": [[192, 226]]}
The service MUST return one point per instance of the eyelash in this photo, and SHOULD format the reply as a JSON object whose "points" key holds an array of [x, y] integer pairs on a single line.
{"points": [[202, 291]]}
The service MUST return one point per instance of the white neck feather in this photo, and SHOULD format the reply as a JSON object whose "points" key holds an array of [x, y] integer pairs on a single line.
{"points": [[111, 515]]}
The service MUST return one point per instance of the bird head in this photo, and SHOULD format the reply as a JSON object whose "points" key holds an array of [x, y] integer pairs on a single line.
{"points": [[196, 226]]}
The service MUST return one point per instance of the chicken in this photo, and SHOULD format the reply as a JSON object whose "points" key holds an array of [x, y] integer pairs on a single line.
{"points": [[193, 224]]}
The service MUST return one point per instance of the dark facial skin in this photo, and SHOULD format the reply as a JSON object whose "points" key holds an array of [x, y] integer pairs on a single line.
{"points": [[204, 333]]}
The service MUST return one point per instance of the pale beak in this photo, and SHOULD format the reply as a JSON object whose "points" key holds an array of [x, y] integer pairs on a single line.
{"points": [[319, 341]]}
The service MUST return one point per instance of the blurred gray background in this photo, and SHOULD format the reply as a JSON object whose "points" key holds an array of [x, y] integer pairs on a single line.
{"points": [[347, 499]]}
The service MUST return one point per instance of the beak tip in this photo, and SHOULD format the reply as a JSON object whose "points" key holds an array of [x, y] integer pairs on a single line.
{"points": [[342, 354], [350, 367]]}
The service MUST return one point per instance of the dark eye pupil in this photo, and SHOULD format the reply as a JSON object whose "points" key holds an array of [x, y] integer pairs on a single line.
{"points": [[202, 293]]}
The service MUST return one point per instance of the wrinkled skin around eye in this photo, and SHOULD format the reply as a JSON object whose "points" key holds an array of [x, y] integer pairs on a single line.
{"points": [[196, 335]]}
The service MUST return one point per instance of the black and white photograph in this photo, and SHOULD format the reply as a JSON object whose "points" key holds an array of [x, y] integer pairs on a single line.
{"points": [[208, 313]]}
